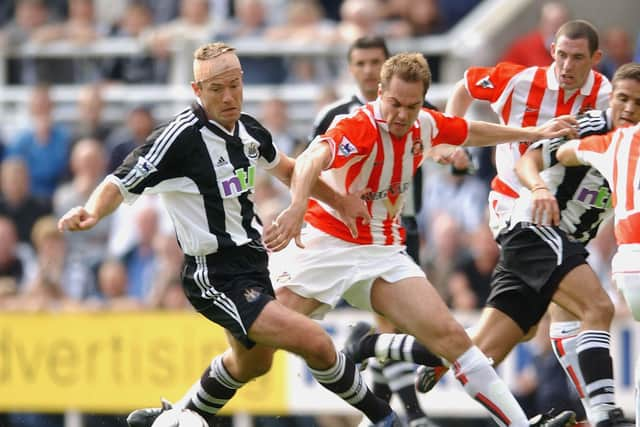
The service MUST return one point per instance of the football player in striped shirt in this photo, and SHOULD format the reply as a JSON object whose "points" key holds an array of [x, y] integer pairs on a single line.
{"points": [[617, 157], [374, 153]]}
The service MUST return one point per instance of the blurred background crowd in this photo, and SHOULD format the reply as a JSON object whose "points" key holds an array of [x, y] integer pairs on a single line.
{"points": [[65, 133]]}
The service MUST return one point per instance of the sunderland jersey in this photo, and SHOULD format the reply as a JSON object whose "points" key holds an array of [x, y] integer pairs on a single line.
{"points": [[582, 193], [530, 96], [367, 156], [205, 176], [346, 106], [616, 155]]}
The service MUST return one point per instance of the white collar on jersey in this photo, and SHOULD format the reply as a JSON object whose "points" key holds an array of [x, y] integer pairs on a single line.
{"points": [[377, 114], [552, 81]]}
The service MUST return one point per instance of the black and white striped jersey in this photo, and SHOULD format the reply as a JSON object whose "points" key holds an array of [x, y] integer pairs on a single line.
{"points": [[583, 194], [345, 106], [205, 176]]}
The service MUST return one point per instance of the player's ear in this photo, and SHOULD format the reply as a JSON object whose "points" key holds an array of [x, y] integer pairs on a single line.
{"points": [[197, 88], [596, 57], [552, 50]]}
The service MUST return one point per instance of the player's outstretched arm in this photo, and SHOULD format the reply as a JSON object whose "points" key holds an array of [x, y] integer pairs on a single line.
{"points": [[543, 204], [104, 200], [486, 134]]}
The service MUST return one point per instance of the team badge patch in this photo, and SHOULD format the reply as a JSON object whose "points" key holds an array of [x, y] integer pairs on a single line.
{"points": [[417, 148], [485, 83], [251, 295], [346, 148], [251, 150], [143, 168]]}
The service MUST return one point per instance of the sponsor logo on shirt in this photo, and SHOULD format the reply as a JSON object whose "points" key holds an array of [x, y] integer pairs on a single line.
{"points": [[393, 208], [346, 148], [242, 181], [600, 198]]}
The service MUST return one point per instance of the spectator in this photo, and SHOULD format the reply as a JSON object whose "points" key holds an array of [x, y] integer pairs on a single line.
{"points": [[136, 21], [44, 147], [139, 124], [81, 27], [11, 266], [16, 200], [618, 50], [193, 25], [115, 289], [90, 121], [141, 260], [275, 117], [534, 47], [30, 15], [88, 165], [416, 18], [471, 277], [250, 24]]}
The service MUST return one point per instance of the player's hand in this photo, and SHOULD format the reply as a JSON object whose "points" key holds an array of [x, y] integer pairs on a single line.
{"points": [[446, 154], [285, 227], [351, 208], [545, 210], [558, 127], [77, 219]]}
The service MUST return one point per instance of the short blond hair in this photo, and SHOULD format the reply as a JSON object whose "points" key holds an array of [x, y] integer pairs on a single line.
{"points": [[410, 67], [212, 50]]}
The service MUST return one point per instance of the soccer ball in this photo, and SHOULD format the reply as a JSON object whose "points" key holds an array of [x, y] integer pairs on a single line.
{"points": [[179, 418]]}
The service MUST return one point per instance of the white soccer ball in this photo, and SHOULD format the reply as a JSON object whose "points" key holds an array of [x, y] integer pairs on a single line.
{"points": [[179, 418]]}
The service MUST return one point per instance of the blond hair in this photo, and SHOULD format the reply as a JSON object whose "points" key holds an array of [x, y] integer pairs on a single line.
{"points": [[211, 50], [410, 67]]}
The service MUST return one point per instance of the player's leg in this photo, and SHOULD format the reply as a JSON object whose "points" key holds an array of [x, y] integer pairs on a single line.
{"points": [[331, 369], [563, 332], [415, 306], [581, 293]]}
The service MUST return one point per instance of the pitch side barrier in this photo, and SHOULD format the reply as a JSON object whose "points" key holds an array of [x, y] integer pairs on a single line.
{"points": [[114, 362]]}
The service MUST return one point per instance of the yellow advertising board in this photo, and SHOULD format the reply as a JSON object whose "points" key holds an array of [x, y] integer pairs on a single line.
{"points": [[108, 362]]}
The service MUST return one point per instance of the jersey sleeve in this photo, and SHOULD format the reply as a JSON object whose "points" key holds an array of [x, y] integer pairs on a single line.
{"points": [[592, 150], [488, 83], [592, 122], [146, 167], [350, 137], [448, 129]]}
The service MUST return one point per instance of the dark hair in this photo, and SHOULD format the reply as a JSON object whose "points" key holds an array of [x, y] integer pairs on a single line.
{"points": [[628, 71], [369, 42], [580, 29]]}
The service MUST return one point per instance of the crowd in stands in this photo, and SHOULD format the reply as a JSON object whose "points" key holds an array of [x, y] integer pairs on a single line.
{"points": [[131, 260]]}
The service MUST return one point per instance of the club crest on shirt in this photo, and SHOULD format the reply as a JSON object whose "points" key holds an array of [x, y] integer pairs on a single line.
{"points": [[485, 83], [346, 148], [417, 148], [283, 277], [251, 150]]}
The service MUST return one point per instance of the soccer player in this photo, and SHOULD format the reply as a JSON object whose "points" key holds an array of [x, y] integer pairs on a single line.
{"points": [[365, 58], [203, 164], [616, 155], [376, 151]]}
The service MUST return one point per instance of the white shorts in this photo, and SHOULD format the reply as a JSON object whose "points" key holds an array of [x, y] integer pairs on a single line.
{"points": [[329, 268], [625, 268]]}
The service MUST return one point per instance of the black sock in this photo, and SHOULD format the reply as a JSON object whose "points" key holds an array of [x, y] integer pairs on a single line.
{"points": [[401, 379], [345, 380], [379, 387], [395, 349], [215, 389], [596, 365]]}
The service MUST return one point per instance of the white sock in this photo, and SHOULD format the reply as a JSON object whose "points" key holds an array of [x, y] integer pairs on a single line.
{"points": [[473, 370], [564, 337]]}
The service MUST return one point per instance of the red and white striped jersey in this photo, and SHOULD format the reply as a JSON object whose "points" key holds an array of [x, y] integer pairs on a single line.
{"points": [[367, 156], [530, 96], [616, 155]]}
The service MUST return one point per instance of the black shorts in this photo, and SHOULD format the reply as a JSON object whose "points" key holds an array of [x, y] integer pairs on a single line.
{"points": [[230, 287], [533, 262]]}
